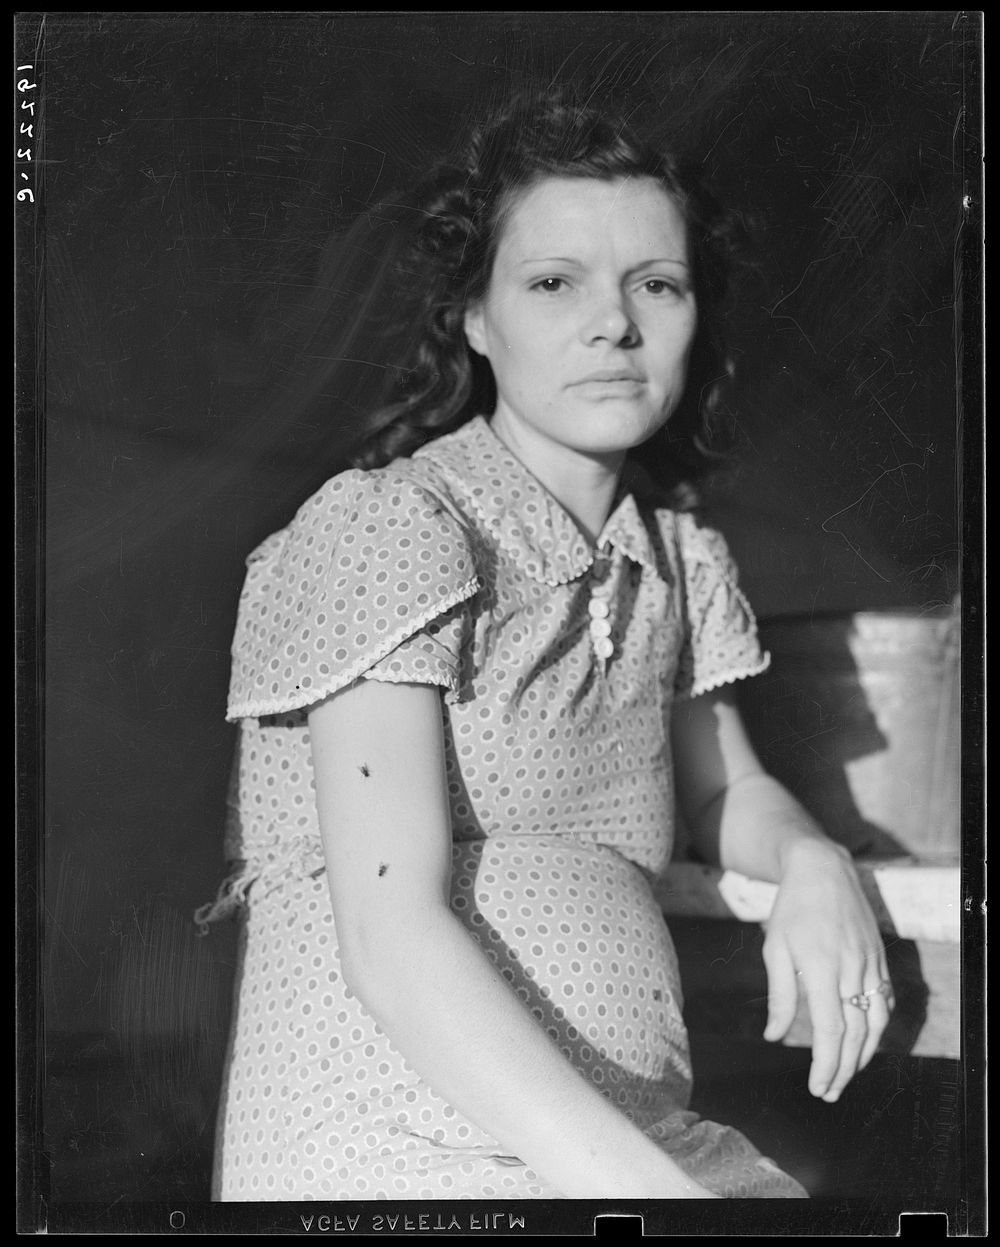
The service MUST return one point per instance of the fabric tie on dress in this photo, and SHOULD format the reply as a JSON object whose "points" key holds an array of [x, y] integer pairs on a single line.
{"points": [[301, 856]]}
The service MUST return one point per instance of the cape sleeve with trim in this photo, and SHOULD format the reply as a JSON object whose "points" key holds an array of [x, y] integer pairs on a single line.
{"points": [[372, 560], [720, 640]]}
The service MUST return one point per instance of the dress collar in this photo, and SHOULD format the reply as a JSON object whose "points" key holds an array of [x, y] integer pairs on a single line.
{"points": [[526, 520]]}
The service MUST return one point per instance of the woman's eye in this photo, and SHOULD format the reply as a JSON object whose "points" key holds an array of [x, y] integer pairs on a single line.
{"points": [[549, 285], [659, 285]]}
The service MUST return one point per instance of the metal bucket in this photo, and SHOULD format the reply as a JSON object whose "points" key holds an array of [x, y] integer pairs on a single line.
{"points": [[859, 717]]}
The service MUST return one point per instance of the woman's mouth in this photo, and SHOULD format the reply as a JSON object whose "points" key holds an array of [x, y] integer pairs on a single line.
{"points": [[610, 376], [610, 384]]}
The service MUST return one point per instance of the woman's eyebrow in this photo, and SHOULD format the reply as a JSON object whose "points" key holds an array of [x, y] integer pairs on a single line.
{"points": [[663, 259], [564, 259], [551, 259]]}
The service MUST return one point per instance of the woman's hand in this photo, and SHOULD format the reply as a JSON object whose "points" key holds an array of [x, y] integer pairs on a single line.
{"points": [[822, 936]]}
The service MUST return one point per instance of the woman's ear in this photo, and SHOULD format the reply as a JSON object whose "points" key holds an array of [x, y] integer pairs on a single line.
{"points": [[474, 331]]}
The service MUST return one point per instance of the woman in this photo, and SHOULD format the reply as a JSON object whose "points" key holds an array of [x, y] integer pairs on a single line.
{"points": [[473, 676]]}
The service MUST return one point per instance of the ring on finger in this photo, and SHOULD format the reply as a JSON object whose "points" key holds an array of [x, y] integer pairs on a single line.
{"points": [[863, 1000]]}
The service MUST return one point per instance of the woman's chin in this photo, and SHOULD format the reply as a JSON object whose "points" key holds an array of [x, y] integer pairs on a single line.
{"points": [[621, 432]]}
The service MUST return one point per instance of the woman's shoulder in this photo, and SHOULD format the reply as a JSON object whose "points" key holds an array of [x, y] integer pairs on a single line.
{"points": [[369, 504], [721, 643], [693, 539], [405, 487], [678, 517], [701, 540], [369, 560]]}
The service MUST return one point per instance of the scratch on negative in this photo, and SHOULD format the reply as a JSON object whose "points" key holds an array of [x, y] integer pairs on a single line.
{"points": [[618, 192], [863, 496], [830, 518]]}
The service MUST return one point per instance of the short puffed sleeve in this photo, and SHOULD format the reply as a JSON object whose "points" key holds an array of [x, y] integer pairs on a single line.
{"points": [[720, 639], [371, 561]]}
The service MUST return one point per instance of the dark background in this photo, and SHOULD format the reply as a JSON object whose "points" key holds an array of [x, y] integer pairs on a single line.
{"points": [[217, 196]]}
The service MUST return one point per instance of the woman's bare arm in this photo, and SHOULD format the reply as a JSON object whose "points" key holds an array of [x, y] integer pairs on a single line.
{"points": [[741, 818], [822, 930], [378, 757]]}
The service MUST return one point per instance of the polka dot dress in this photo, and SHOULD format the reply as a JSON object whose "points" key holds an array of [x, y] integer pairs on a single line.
{"points": [[558, 664]]}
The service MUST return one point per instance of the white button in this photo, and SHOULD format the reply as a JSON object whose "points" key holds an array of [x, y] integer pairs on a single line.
{"points": [[598, 608], [603, 647], [600, 627]]}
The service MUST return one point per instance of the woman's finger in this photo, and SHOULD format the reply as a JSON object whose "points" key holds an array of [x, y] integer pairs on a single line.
{"points": [[856, 1008], [830, 1029], [881, 996], [782, 990], [866, 1016]]}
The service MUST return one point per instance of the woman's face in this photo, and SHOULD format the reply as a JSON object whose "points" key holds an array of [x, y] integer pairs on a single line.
{"points": [[589, 316]]}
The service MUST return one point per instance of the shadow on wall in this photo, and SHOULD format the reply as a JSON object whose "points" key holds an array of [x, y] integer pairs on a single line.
{"points": [[859, 717]]}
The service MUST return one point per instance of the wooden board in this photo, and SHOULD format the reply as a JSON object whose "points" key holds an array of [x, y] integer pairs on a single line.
{"points": [[725, 988]]}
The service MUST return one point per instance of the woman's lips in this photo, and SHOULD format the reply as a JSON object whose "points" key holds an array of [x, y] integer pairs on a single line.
{"points": [[607, 376], [612, 385]]}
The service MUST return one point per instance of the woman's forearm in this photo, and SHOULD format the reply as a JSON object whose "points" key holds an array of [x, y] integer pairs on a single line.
{"points": [[756, 827], [738, 816], [460, 1026]]}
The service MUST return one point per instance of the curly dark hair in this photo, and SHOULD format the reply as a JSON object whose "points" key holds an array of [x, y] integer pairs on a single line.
{"points": [[448, 263]]}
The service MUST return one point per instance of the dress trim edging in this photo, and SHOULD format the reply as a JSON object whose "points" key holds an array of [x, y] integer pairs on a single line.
{"points": [[255, 709]]}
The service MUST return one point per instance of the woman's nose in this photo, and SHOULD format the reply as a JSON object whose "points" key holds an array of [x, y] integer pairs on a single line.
{"points": [[610, 319]]}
